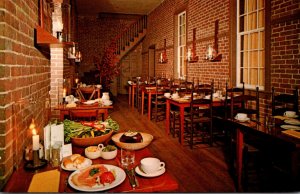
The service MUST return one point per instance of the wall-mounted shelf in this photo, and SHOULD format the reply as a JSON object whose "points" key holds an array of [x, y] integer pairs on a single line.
{"points": [[216, 58], [45, 39]]}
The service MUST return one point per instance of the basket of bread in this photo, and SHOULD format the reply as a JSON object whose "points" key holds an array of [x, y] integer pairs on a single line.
{"points": [[89, 133], [132, 140], [75, 162]]}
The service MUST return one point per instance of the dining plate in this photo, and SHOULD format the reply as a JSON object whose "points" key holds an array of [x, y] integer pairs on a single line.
{"points": [[243, 120], [120, 176], [89, 163], [89, 102], [292, 121], [295, 116], [290, 127], [155, 174]]}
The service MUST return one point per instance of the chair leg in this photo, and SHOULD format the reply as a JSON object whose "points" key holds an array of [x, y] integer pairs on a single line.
{"points": [[245, 164], [192, 136]]}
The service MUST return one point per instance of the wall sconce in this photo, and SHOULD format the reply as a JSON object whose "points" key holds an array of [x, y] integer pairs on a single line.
{"points": [[191, 53], [212, 51], [74, 53], [163, 55]]}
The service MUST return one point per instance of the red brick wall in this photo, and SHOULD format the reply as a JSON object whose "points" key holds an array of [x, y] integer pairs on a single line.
{"points": [[285, 41], [96, 33], [24, 74]]}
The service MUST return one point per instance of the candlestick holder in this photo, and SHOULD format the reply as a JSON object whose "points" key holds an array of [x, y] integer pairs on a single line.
{"points": [[36, 162]]}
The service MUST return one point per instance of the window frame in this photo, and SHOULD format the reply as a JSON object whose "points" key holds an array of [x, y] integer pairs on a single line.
{"points": [[181, 63], [239, 34]]}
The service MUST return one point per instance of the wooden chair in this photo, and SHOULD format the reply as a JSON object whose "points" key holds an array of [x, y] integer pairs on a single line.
{"points": [[199, 122], [158, 104], [284, 102], [84, 115]]}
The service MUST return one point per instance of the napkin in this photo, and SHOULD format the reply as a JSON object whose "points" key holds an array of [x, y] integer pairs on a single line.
{"points": [[45, 182]]}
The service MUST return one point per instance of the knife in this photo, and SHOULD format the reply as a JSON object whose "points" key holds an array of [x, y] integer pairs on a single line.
{"points": [[132, 178]]}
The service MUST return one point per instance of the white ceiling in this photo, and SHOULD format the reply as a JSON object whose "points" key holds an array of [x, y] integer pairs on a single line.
{"points": [[94, 7]]}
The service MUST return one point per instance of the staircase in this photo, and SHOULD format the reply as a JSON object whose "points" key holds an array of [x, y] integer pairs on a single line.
{"points": [[130, 37]]}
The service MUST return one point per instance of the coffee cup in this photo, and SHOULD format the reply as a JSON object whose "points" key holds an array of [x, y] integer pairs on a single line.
{"points": [[151, 165], [241, 116], [175, 95], [167, 94], [290, 113]]}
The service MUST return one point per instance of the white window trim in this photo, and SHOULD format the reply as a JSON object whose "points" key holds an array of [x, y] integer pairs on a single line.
{"points": [[238, 44], [179, 66]]}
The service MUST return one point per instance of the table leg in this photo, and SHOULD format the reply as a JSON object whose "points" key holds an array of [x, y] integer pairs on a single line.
{"points": [[143, 96], [181, 139], [168, 117], [149, 105], [132, 97], [239, 157], [129, 95]]}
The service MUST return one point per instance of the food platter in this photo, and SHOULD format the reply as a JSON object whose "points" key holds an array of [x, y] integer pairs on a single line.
{"points": [[120, 176], [147, 139]]}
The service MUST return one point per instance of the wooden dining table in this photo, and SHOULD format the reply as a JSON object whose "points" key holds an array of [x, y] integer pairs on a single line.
{"points": [[65, 111], [182, 104], [272, 139], [21, 179]]}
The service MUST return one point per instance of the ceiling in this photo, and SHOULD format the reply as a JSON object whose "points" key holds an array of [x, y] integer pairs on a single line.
{"points": [[94, 7]]}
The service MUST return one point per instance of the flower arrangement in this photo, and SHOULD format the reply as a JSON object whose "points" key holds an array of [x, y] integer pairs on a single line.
{"points": [[108, 68]]}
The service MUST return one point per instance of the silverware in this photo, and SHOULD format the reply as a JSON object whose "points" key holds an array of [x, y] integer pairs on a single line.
{"points": [[132, 178]]}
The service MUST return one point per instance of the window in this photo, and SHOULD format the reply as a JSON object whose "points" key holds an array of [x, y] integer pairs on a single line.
{"points": [[181, 67], [251, 43]]}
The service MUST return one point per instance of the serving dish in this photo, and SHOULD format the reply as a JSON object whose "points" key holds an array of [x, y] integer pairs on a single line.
{"points": [[89, 141], [89, 163], [120, 176], [147, 138]]}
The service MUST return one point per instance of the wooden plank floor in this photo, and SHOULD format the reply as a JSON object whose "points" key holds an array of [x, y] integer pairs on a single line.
{"points": [[202, 169]]}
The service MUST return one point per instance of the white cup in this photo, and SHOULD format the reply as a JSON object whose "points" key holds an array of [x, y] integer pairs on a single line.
{"points": [[150, 165], [167, 94], [175, 95], [290, 114], [241, 116]]}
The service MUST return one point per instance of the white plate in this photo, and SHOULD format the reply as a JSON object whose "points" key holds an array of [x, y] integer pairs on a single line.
{"points": [[74, 168], [120, 176], [89, 102], [157, 173], [295, 116], [292, 121], [243, 120], [290, 127]]}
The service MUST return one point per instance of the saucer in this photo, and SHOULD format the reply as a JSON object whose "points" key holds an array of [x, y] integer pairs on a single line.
{"points": [[157, 173], [295, 116], [242, 120]]}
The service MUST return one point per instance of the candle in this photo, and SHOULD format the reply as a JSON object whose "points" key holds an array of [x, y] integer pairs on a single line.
{"points": [[76, 80], [64, 92], [161, 57], [189, 54], [35, 140]]}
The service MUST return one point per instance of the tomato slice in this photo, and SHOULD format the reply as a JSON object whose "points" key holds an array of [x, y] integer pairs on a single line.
{"points": [[107, 177]]}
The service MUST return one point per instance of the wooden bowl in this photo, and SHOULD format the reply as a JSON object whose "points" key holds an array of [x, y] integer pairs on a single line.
{"points": [[147, 138], [85, 142]]}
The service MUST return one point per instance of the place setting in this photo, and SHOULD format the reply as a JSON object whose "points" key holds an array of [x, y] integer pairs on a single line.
{"points": [[290, 122], [150, 167], [242, 117]]}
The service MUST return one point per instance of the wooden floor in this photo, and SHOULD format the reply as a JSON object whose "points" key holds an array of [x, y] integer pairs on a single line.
{"points": [[202, 169]]}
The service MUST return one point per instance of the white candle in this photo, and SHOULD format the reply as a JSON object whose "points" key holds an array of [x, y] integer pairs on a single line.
{"points": [[64, 92], [161, 57], [35, 140], [189, 54]]}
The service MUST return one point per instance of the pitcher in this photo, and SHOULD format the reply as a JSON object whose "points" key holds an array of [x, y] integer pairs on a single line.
{"points": [[105, 96]]}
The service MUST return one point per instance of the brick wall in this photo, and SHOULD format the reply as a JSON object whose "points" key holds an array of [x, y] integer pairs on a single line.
{"points": [[96, 33], [24, 82], [285, 49]]}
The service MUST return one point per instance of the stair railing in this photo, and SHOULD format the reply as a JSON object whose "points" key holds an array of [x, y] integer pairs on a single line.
{"points": [[126, 36]]}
